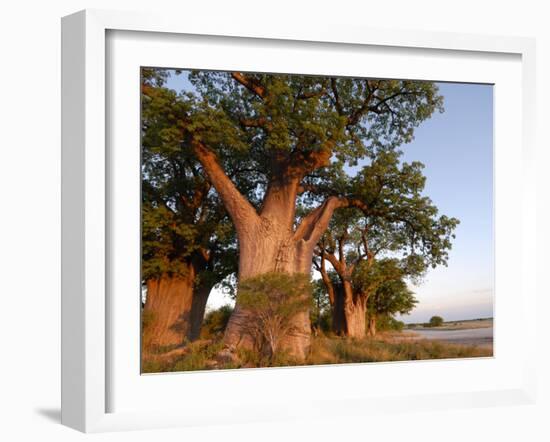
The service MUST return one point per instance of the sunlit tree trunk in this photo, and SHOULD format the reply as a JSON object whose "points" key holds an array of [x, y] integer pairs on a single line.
{"points": [[167, 311], [268, 245], [349, 312], [174, 310]]}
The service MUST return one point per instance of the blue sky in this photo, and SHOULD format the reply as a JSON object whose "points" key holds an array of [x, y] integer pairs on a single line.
{"points": [[456, 147], [457, 150]]}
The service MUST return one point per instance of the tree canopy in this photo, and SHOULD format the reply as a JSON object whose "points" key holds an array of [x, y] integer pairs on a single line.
{"points": [[294, 117], [183, 218]]}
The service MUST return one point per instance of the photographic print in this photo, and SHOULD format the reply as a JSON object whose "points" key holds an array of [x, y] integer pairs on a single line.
{"points": [[297, 220]]}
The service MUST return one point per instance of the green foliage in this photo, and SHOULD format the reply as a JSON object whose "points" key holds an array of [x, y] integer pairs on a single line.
{"points": [[266, 125], [303, 114], [396, 220], [436, 321], [389, 323], [272, 301], [199, 355], [368, 276], [254, 134], [215, 322], [183, 221], [392, 297]]}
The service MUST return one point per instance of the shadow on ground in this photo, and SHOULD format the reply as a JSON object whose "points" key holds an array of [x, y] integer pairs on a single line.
{"points": [[51, 414]]}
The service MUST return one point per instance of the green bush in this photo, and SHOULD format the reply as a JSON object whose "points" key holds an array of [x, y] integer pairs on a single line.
{"points": [[322, 322], [389, 323], [436, 321], [273, 301], [215, 322]]}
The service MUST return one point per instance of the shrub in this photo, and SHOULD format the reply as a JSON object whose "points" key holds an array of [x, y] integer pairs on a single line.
{"points": [[323, 322], [389, 323], [216, 321], [273, 300], [436, 321]]}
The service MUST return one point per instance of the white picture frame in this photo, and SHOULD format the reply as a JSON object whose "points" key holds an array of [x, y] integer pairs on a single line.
{"points": [[85, 235]]}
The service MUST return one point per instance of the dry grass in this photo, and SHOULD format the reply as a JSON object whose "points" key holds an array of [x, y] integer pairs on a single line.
{"points": [[389, 346]]}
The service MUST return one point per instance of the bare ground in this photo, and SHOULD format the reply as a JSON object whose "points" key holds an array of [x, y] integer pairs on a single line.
{"points": [[474, 332]]}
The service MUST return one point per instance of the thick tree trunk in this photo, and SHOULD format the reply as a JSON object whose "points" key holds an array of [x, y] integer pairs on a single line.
{"points": [[173, 311], [267, 241], [167, 311], [372, 325], [271, 248], [349, 312], [356, 320]]}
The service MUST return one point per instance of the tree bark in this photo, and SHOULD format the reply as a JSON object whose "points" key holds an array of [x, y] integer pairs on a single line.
{"points": [[173, 311], [166, 313], [349, 312], [372, 325], [198, 309], [356, 320], [271, 247]]}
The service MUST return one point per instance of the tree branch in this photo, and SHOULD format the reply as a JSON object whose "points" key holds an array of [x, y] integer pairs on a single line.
{"points": [[239, 208], [250, 83], [262, 122], [316, 222], [337, 103], [312, 94], [338, 267], [314, 225], [341, 255], [326, 279]]}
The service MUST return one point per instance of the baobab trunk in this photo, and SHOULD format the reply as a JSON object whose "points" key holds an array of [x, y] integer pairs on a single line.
{"points": [[270, 249], [173, 311], [349, 312], [166, 311], [356, 320]]}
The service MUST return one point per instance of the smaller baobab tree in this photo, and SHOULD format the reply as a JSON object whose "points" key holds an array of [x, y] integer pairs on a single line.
{"points": [[398, 235]]}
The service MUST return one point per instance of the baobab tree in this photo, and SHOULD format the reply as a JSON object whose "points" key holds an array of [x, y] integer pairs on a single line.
{"points": [[400, 236], [292, 127]]}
